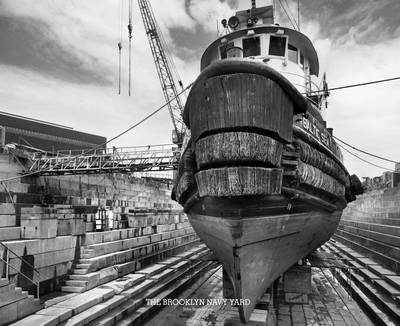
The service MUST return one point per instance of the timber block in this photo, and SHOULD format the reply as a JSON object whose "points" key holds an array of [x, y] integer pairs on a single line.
{"points": [[297, 284]]}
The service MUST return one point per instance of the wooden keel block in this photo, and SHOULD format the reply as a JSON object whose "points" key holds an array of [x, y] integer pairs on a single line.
{"points": [[242, 101], [236, 147], [239, 181]]}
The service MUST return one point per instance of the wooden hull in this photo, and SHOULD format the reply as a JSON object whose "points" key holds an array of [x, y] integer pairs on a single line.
{"points": [[263, 185], [256, 250]]}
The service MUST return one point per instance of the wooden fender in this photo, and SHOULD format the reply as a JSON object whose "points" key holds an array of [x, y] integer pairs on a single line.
{"points": [[314, 177], [238, 148], [239, 181], [240, 102], [314, 157]]}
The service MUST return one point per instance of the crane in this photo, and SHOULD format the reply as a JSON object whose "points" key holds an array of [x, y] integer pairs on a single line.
{"points": [[162, 63]]}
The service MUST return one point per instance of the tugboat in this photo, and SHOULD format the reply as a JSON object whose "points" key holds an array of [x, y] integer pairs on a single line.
{"points": [[260, 176]]}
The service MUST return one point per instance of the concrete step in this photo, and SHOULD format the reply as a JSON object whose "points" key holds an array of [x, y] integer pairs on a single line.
{"points": [[80, 271], [375, 294], [4, 281], [372, 245], [376, 220], [81, 266], [383, 301], [372, 232], [114, 299], [72, 289], [79, 283], [118, 270], [144, 313], [385, 260], [388, 281], [137, 307], [17, 306], [368, 305], [122, 256]]}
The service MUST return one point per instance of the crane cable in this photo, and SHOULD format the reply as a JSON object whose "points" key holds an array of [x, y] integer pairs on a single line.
{"points": [[121, 10], [356, 85], [108, 141], [289, 11], [364, 160], [360, 150], [284, 9], [130, 43]]}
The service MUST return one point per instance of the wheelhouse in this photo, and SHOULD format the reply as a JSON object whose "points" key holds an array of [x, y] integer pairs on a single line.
{"points": [[286, 50]]}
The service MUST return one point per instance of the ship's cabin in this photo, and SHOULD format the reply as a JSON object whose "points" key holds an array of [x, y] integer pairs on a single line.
{"points": [[286, 50]]}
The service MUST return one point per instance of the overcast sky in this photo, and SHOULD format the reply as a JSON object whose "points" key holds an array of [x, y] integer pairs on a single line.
{"points": [[59, 63]]}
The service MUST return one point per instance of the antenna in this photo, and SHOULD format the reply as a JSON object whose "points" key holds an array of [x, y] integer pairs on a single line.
{"points": [[298, 14]]}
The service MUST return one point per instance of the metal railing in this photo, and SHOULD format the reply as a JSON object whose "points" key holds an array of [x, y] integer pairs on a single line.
{"points": [[122, 159], [23, 261]]}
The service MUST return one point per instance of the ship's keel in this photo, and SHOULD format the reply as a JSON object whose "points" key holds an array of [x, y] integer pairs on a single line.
{"points": [[255, 251]]}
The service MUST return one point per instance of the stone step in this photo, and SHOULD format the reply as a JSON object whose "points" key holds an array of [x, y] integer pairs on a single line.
{"points": [[81, 266], [96, 311], [372, 287], [80, 271], [385, 249], [79, 283], [8, 298], [374, 311], [4, 281], [152, 270], [126, 282], [386, 287], [119, 245], [143, 313], [394, 222], [120, 296], [136, 306], [123, 256], [60, 312], [72, 289], [376, 232], [388, 262], [387, 280], [19, 309], [99, 277], [372, 291]]}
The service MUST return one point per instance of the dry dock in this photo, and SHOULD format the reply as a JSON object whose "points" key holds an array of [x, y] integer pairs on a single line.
{"points": [[335, 299]]}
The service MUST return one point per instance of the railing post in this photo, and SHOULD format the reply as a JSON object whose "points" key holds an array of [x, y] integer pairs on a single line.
{"points": [[7, 262]]}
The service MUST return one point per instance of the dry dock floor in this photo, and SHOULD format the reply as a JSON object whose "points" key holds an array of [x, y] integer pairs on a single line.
{"points": [[330, 304]]}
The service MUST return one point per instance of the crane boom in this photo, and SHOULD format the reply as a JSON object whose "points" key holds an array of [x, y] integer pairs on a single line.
{"points": [[175, 106]]}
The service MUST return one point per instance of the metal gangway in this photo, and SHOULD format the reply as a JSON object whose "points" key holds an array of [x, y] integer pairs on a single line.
{"points": [[151, 158]]}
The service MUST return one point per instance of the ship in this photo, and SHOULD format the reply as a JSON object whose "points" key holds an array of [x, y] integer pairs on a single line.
{"points": [[260, 176]]}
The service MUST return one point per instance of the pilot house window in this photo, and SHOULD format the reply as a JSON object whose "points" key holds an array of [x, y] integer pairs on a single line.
{"points": [[224, 49], [292, 53], [251, 46], [277, 45]]}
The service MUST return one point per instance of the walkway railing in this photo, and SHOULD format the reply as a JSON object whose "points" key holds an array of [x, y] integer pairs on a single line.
{"points": [[23, 261], [123, 159]]}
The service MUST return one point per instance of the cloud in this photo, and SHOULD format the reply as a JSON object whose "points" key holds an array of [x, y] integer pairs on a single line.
{"points": [[357, 41], [31, 44]]}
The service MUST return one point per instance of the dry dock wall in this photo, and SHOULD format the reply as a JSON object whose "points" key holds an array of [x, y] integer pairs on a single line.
{"points": [[50, 222], [371, 225]]}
